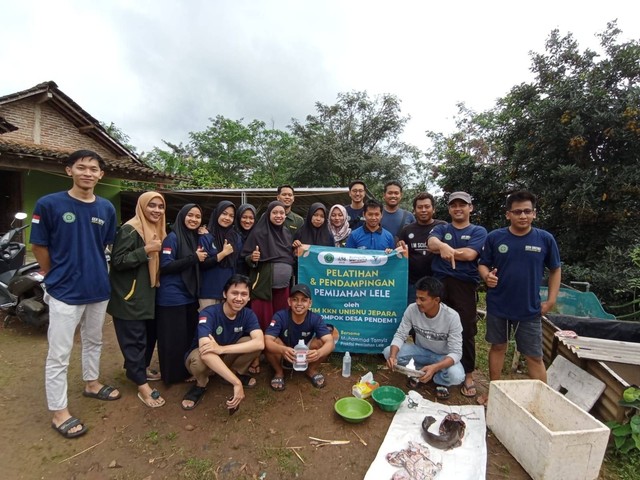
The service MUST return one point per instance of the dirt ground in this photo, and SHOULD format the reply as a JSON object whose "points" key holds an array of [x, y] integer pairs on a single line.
{"points": [[127, 440]]}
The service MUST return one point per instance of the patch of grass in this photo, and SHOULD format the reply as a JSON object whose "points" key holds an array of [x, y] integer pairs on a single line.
{"points": [[198, 469], [286, 460], [621, 466], [153, 437], [264, 396], [171, 436]]}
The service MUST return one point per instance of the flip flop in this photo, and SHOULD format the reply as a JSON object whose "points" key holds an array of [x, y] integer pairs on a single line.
{"points": [[254, 370], [277, 384], [103, 394], [317, 380], [194, 395], [246, 380], [442, 393], [468, 391], [153, 375], [68, 424], [155, 395]]}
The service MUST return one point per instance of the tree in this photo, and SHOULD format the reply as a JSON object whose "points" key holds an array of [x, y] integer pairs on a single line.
{"points": [[572, 136], [357, 138]]}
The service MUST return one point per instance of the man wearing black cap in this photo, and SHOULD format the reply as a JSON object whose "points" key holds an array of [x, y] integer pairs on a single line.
{"points": [[291, 325], [457, 246]]}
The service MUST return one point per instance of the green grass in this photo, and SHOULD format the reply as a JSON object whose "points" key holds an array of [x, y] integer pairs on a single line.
{"points": [[198, 469], [618, 466], [288, 463]]}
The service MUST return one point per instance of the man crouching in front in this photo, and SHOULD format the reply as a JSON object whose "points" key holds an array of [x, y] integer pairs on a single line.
{"points": [[228, 339]]}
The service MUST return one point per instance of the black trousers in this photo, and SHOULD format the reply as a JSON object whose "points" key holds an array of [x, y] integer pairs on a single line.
{"points": [[461, 296], [137, 339], [176, 331]]}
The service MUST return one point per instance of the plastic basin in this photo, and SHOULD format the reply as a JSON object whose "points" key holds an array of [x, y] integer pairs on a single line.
{"points": [[388, 398], [353, 410]]}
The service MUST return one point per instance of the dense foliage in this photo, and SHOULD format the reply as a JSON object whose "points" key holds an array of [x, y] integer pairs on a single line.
{"points": [[572, 136]]}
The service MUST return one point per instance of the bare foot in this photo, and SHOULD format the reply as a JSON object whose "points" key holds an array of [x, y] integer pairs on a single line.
{"points": [[483, 400]]}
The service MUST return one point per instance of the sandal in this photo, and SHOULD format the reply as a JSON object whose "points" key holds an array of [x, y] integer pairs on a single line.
{"points": [[247, 380], [277, 384], [153, 375], [468, 390], [194, 395], [412, 383], [317, 380], [103, 394], [68, 424], [442, 393], [254, 370], [155, 397]]}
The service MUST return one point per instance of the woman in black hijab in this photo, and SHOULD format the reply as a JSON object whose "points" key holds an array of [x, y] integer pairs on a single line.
{"points": [[177, 295], [245, 221], [315, 230], [222, 244], [269, 254]]}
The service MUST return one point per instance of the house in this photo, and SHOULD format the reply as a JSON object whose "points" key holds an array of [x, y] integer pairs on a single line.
{"points": [[39, 128]]}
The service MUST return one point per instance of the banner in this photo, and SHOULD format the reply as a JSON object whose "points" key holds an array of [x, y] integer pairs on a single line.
{"points": [[362, 293]]}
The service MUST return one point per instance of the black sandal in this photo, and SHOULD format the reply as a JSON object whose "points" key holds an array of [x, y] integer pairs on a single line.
{"points": [[246, 380], [194, 395]]}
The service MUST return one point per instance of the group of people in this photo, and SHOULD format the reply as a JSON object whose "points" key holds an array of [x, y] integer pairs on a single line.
{"points": [[216, 296]]}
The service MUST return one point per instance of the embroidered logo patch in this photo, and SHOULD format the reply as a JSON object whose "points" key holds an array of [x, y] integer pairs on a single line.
{"points": [[69, 217], [503, 248], [411, 235], [532, 248], [166, 251], [97, 221], [465, 237], [219, 330], [202, 320], [273, 322], [448, 236]]}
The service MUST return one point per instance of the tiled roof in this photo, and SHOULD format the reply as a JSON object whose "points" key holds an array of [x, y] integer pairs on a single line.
{"points": [[118, 168], [127, 165]]}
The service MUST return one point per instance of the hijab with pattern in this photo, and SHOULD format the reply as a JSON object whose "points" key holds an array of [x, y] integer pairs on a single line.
{"points": [[220, 234], [311, 235], [274, 241], [187, 247], [148, 231], [339, 234]]}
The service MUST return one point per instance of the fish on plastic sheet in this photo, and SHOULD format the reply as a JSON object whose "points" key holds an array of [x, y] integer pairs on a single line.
{"points": [[451, 431], [415, 461]]}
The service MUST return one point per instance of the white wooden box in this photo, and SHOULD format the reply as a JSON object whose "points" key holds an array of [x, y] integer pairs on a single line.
{"points": [[547, 434]]}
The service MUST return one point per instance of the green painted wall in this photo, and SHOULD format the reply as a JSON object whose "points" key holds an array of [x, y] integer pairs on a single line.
{"points": [[36, 184]]}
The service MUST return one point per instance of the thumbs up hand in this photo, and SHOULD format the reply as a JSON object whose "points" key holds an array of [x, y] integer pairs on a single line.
{"points": [[255, 255], [202, 255], [155, 245], [492, 278]]}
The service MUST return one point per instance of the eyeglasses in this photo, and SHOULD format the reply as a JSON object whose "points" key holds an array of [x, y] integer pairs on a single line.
{"points": [[519, 211]]}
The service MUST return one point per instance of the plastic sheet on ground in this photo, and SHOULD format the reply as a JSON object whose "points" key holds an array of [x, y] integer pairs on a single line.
{"points": [[468, 461]]}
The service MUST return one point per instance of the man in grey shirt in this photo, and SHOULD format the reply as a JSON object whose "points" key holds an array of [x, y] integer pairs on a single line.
{"points": [[437, 347]]}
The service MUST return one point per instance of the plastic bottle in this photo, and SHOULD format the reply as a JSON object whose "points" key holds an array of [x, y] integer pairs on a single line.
{"points": [[346, 365], [301, 362]]}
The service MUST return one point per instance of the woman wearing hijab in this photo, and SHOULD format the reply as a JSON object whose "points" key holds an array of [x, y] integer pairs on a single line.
{"points": [[338, 225], [222, 244], [135, 265], [269, 253], [315, 230], [245, 221], [177, 297]]}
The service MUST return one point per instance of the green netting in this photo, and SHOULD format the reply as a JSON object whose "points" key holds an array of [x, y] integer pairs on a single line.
{"points": [[577, 303]]}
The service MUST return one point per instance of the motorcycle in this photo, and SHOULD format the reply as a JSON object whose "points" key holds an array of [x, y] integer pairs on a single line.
{"points": [[21, 286]]}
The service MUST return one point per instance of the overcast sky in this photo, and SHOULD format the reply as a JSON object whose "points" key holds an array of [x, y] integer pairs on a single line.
{"points": [[159, 69]]}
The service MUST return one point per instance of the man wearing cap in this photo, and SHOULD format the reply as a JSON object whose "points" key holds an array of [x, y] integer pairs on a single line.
{"points": [[355, 210], [292, 220], [458, 245], [291, 325]]}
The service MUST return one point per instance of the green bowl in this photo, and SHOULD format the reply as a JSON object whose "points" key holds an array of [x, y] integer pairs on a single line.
{"points": [[388, 398], [353, 410]]}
